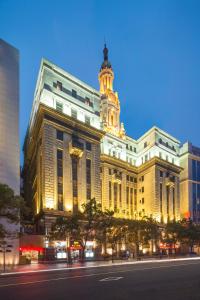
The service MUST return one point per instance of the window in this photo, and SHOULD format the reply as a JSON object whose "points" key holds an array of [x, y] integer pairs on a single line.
{"points": [[87, 100], [112, 120], [59, 135], [134, 150], [142, 178], [142, 201], [59, 85], [120, 195], [74, 94], [131, 197], [173, 200], [74, 113], [88, 179], [161, 204], [167, 191], [59, 106], [198, 170], [142, 189], [194, 170], [131, 148], [127, 195], [110, 171], [115, 196], [161, 173], [75, 182], [135, 180], [60, 179], [88, 146], [110, 194], [87, 120], [146, 157], [40, 200], [145, 144], [127, 146], [127, 177], [131, 179]]}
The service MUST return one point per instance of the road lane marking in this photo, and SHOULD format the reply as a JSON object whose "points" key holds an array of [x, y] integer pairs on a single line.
{"points": [[91, 275], [111, 279], [100, 266]]}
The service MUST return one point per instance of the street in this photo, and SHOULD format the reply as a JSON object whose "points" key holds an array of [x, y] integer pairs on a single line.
{"points": [[150, 280]]}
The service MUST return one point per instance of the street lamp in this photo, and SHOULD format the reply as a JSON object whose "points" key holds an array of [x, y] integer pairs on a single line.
{"points": [[4, 247]]}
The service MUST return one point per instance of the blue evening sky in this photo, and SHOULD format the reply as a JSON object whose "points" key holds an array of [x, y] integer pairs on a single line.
{"points": [[154, 48]]}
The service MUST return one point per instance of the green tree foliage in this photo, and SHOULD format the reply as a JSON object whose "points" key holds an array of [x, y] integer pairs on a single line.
{"points": [[12, 208]]}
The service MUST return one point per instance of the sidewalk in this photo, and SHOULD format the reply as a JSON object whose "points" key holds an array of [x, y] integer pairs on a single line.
{"points": [[35, 268]]}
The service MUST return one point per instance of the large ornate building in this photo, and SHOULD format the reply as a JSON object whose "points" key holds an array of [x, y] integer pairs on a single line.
{"points": [[76, 149]]}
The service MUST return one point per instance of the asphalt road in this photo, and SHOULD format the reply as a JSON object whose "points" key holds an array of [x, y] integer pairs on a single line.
{"points": [[160, 280]]}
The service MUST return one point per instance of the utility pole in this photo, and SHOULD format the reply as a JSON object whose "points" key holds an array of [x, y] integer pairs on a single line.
{"points": [[4, 247]]}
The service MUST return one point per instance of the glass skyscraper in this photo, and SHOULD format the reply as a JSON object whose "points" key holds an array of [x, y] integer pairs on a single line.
{"points": [[9, 116]]}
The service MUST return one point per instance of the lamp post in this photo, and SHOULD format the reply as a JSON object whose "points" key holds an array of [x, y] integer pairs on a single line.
{"points": [[4, 247]]}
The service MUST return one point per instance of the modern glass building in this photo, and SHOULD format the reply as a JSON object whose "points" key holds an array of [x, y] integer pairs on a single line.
{"points": [[9, 116], [190, 181], [9, 137]]}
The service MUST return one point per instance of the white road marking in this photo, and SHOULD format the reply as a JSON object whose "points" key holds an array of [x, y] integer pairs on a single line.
{"points": [[100, 266], [111, 279], [91, 275]]}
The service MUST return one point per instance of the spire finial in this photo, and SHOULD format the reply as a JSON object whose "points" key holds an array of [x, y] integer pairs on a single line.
{"points": [[106, 63], [105, 53]]}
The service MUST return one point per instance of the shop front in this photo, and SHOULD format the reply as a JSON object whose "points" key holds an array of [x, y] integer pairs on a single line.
{"points": [[31, 248], [75, 251], [60, 249], [30, 254]]}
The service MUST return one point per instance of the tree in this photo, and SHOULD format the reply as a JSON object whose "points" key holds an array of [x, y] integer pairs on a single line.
{"points": [[116, 233], [12, 208], [89, 222], [138, 233], [173, 233], [190, 234], [151, 232], [66, 228], [105, 223]]}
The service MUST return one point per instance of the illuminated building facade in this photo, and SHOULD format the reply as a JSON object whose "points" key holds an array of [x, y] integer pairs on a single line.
{"points": [[190, 182], [77, 149], [9, 134]]}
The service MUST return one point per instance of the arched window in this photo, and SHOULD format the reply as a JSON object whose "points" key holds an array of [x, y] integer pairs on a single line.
{"points": [[112, 120]]}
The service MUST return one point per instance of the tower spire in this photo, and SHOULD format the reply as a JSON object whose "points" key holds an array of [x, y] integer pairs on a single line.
{"points": [[106, 63], [110, 106]]}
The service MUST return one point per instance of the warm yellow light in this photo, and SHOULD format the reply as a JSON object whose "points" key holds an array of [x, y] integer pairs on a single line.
{"points": [[69, 207], [49, 203]]}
